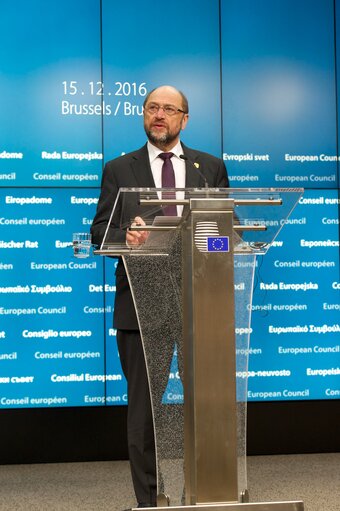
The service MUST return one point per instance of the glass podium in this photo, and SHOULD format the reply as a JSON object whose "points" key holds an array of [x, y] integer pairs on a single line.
{"points": [[192, 282]]}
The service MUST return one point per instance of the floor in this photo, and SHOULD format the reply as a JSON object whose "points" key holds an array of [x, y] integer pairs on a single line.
{"points": [[101, 486]]}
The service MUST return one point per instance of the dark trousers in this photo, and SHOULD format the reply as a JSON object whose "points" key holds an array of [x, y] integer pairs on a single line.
{"points": [[141, 443]]}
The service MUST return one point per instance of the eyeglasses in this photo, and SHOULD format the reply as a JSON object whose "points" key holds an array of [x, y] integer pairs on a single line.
{"points": [[169, 110]]}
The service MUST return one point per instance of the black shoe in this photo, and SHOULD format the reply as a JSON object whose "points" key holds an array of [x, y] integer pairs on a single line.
{"points": [[141, 504]]}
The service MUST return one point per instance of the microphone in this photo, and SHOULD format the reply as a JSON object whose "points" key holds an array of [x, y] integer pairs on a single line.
{"points": [[185, 158]]}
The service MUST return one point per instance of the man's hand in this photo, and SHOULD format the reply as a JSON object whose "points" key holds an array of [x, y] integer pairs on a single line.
{"points": [[134, 238]]}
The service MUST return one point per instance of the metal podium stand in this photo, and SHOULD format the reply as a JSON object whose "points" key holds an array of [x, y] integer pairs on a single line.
{"points": [[192, 284]]}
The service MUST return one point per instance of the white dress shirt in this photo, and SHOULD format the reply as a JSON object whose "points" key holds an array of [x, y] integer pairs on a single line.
{"points": [[178, 164]]}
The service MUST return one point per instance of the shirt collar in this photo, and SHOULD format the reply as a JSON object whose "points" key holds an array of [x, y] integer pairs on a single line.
{"points": [[154, 151]]}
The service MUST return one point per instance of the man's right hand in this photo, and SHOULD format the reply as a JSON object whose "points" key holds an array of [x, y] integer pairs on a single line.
{"points": [[134, 238]]}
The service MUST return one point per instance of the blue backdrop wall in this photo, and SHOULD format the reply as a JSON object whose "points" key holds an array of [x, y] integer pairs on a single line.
{"points": [[261, 78]]}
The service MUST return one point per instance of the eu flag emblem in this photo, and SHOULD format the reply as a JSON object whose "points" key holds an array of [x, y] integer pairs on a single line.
{"points": [[218, 244]]}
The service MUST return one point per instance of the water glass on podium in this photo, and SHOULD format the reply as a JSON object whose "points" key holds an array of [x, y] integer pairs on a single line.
{"points": [[81, 242]]}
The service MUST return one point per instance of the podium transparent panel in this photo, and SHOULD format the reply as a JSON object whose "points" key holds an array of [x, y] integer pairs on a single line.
{"points": [[156, 287], [244, 269]]}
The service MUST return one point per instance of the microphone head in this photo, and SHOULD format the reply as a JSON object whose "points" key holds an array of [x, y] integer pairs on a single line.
{"points": [[183, 157]]}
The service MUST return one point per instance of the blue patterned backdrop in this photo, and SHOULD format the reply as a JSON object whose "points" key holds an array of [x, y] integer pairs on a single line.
{"points": [[261, 78]]}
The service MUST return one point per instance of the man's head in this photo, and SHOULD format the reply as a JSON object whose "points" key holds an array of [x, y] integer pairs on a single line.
{"points": [[165, 115]]}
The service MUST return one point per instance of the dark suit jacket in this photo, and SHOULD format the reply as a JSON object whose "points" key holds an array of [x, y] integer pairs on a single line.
{"points": [[134, 170]]}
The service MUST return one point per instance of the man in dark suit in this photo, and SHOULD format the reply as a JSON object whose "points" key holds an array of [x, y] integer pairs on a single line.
{"points": [[166, 114]]}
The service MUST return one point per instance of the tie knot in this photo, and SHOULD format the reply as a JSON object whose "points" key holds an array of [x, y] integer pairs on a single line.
{"points": [[165, 156]]}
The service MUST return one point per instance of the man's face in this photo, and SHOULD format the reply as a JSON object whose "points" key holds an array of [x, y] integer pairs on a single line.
{"points": [[161, 129]]}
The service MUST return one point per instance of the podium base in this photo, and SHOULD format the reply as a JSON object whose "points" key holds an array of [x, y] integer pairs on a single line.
{"points": [[255, 506]]}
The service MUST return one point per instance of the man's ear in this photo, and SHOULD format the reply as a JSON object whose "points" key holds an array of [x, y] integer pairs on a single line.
{"points": [[184, 121]]}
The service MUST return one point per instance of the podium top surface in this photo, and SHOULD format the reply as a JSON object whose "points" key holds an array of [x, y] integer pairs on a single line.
{"points": [[258, 213]]}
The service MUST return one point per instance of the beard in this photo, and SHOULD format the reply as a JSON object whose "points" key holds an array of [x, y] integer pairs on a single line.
{"points": [[162, 139]]}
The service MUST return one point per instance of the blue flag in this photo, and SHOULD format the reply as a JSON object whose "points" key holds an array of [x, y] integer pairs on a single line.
{"points": [[218, 244]]}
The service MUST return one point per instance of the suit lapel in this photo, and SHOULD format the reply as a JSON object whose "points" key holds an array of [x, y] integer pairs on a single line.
{"points": [[141, 168], [192, 177]]}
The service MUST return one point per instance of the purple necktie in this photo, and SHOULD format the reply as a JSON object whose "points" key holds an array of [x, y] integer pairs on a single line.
{"points": [[168, 181]]}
